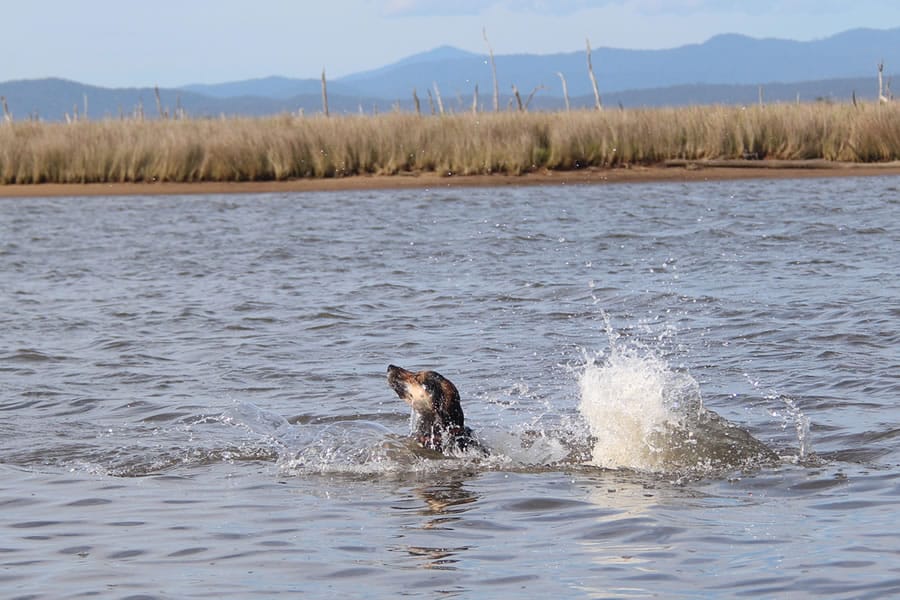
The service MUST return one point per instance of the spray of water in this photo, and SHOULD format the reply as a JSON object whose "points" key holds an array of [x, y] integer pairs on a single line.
{"points": [[645, 415], [786, 409], [630, 403]]}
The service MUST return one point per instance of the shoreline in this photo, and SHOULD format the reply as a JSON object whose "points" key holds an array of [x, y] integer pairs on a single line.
{"points": [[672, 171]]}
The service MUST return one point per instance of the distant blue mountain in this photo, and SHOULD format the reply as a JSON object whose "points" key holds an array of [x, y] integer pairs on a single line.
{"points": [[722, 60], [724, 69], [280, 88], [52, 99], [435, 55]]}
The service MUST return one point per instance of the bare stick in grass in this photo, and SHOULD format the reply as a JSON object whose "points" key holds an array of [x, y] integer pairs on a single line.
{"points": [[493, 71], [159, 108], [437, 94], [430, 101], [565, 89], [518, 98], [7, 116], [324, 94], [531, 95], [475, 101], [591, 74], [884, 91], [416, 102]]}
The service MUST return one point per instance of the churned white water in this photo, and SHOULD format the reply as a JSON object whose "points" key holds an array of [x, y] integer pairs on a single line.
{"points": [[630, 402], [646, 416]]}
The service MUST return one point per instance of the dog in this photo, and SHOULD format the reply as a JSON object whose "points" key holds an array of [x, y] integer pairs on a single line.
{"points": [[441, 424]]}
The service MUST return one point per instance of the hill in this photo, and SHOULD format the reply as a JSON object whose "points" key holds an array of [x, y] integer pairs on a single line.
{"points": [[722, 60], [726, 69]]}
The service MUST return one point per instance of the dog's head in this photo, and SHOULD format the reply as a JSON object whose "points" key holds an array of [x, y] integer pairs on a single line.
{"points": [[434, 398]]}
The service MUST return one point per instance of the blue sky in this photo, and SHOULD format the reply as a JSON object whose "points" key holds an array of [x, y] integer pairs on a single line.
{"points": [[174, 42]]}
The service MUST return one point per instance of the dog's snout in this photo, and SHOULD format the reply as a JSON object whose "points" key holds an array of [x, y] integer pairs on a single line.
{"points": [[396, 379], [398, 373]]}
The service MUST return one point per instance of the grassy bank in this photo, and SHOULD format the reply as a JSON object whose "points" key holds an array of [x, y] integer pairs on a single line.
{"points": [[287, 147]]}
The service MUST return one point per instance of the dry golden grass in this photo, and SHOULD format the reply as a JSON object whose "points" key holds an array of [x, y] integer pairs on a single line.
{"points": [[287, 147]]}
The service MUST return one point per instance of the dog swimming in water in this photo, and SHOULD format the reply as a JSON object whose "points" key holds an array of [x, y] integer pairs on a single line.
{"points": [[441, 425]]}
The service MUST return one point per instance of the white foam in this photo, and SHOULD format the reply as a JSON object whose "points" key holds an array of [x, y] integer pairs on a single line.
{"points": [[630, 401], [645, 415]]}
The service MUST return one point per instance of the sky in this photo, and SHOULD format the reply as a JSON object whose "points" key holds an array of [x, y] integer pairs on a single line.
{"points": [[122, 43]]}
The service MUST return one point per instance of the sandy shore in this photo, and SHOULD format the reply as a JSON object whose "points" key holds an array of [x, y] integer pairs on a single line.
{"points": [[683, 171]]}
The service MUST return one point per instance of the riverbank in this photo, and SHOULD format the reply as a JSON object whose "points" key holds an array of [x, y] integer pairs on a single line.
{"points": [[672, 171], [485, 148]]}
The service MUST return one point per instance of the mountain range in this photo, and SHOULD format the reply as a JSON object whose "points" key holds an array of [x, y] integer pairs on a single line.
{"points": [[725, 69]]}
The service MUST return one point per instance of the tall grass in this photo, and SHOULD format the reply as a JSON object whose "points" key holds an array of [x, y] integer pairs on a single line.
{"points": [[285, 147]]}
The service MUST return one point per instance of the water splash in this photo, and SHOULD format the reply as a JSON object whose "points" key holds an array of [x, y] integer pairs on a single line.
{"points": [[801, 426], [624, 399], [787, 409], [363, 448], [645, 415]]}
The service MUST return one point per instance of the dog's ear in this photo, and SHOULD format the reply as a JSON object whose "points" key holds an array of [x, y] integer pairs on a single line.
{"points": [[444, 399], [450, 407]]}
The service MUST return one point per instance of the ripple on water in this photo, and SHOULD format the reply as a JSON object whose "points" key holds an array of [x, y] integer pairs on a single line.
{"points": [[193, 402]]}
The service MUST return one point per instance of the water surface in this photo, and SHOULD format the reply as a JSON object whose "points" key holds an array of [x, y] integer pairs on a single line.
{"points": [[688, 391]]}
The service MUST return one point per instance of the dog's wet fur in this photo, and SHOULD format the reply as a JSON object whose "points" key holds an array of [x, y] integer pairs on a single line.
{"points": [[441, 425]]}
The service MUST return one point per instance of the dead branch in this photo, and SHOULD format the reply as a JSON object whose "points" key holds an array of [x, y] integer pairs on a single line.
{"points": [[518, 98], [591, 74], [531, 95], [493, 71], [565, 89], [437, 94], [324, 94]]}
